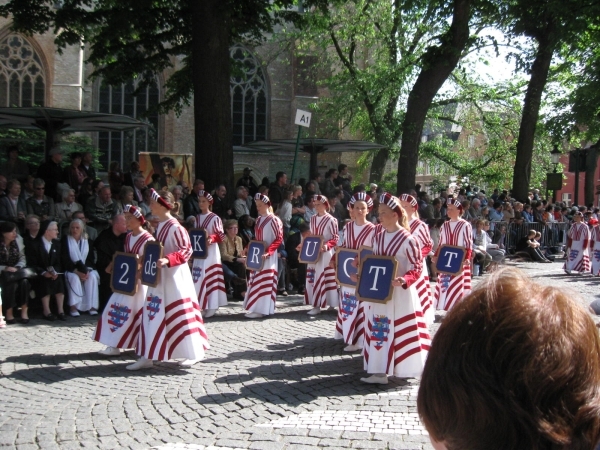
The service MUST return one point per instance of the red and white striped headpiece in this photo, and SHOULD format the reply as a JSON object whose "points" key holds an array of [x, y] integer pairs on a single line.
{"points": [[263, 198], [409, 199], [361, 197], [157, 198], [322, 199], [391, 201], [455, 202], [206, 195], [135, 211]]}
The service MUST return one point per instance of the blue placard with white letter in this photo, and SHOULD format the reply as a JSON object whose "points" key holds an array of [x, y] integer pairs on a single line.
{"points": [[450, 259], [254, 255], [375, 279], [150, 269], [311, 249], [124, 273], [199, 247], [345, 266]]}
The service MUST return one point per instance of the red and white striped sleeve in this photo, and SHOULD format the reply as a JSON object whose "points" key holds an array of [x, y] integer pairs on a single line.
{"points": [[277, 229], [346, 243], [424, 239], [415, 262], [335, 235], [217, 235], [468, 240], [184, 246]]}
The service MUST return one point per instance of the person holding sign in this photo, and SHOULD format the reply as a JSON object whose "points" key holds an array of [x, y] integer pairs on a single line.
{"points": [[172, 325], [396, 337], [450, 289], [578, 256], [262, 287], [321, 288], [595, 247], [359, 232], [420, 231], [208, 273], [119, 325]]}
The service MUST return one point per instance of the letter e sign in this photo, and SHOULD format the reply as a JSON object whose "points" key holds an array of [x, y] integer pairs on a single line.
{"points": [[450, 259]]}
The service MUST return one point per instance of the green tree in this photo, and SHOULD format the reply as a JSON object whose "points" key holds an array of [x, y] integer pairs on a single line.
{"points": [[140, 38]]}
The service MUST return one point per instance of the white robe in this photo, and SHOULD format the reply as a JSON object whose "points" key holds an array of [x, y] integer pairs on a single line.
{"points": [[82, 294]]}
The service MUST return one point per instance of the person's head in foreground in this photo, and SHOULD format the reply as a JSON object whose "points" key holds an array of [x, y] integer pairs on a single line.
{"points": [[514, 365]]}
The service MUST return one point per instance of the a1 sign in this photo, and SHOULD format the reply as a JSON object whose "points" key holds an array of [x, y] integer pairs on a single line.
{"points": [[199, 247], [150, 270], [375, 281], [450, 259], [303, 118], [124, 273], [254, 256]]}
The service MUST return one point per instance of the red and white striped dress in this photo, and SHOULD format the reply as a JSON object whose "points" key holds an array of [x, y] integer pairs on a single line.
{"points": [[578, 258], [208, 273], [262, 286], [420, 231], [595, 249], [119, 325], [451, 289], [172, 326], [321, 288], [396, 338], [351, 314]]}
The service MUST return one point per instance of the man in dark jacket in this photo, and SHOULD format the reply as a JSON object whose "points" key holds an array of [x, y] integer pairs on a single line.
{"points": [[52, 173], [190, 204], [276, 189]]}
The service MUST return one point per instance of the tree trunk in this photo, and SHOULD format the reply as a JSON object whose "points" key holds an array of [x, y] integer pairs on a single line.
{"points": [[212, 103], [531, 109], [439, 62], [378, 165], [590, 175]]}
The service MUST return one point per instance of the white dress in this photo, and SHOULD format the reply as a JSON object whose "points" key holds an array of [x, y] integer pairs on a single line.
{"points": [[119, 325], [82, 294], [396, 337], [451, 289], [208, 273], [351, 315], [595, 237], [262, 286], [172, 326], [321, 288], [420, 231], [578, 258]]}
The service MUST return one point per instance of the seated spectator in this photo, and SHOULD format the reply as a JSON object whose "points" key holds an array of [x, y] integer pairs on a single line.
{"points": [[100, 209], [40, 204], [177, 210], [134, 172], [91, 231], [73, 175], [138, 188], [493, 249], [480, 243], [14, 167], [12, 258], [155, 183], [507, 212], [32, 229], [499, 238], [65, 209], [145, 205], [291, 244], [466, 204], [152, 222], [86, 165], [529, 246], [27, 188], [530, 380], [12, 206], [43, 256], [115, 178], [233, 259], [85, 192], [495, 213], [78, 262], [246, 230], [297, 202], [240, 205], [309, 209], [526, 214], [125, 198]]}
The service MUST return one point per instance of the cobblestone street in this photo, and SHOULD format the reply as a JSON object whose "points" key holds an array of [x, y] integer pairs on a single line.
{"points": [[277, 383]]}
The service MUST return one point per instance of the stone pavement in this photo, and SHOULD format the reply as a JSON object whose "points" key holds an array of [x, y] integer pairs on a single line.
{"points": [[276, 383]]}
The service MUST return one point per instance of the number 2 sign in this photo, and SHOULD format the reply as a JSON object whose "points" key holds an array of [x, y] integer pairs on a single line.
{"points": [[124, 273]]}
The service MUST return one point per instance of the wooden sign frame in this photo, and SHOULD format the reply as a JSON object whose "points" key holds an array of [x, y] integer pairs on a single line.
{"points": [[119, 255], [462, 261], [306, 239], [199, 231], [149, 246], [363, 276], [248, 256], [338, 260], [361, 253]]}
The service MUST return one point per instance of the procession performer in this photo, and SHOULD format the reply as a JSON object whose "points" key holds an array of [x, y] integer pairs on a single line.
{"points": [[172, 325], [207, 273], [578, 257], [420, 231], [321, 288], [261, 294], [595, 246], [396, 336], [359, 232], [119, 325], [451, 289]]}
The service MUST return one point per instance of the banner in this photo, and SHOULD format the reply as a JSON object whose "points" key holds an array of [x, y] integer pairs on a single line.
{"points": [[172, 168]]}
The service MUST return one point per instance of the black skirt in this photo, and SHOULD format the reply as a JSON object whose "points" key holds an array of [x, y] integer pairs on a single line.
{"points": [[47, 286], [14, 294]]}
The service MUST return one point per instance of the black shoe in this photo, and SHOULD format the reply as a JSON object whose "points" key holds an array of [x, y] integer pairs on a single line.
{"points": [[11, 321], [50, 317], [24, 321], [61, 316], [301, 291]]}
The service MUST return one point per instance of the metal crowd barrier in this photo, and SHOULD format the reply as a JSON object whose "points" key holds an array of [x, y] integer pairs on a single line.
{"points": [[553, 234]]}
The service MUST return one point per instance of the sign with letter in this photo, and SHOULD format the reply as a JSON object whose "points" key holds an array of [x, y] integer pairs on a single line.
{"points": [[150, 270], [124, 273], [450, 259], [363, 252], [199, 244], [302, 118], [344, 266], [375, 279], [311, 249], [254, 256]]}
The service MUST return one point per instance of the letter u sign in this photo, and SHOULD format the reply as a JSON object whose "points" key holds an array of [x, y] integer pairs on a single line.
{"points": [[311, 249]]}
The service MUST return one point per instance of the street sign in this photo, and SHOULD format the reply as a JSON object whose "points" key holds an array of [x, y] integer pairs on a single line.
{"points": [[302, 118]]}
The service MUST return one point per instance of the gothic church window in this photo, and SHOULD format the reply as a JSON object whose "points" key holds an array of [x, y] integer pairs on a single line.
{"points": [[22, 78], [248, 97], [125, 146]]}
